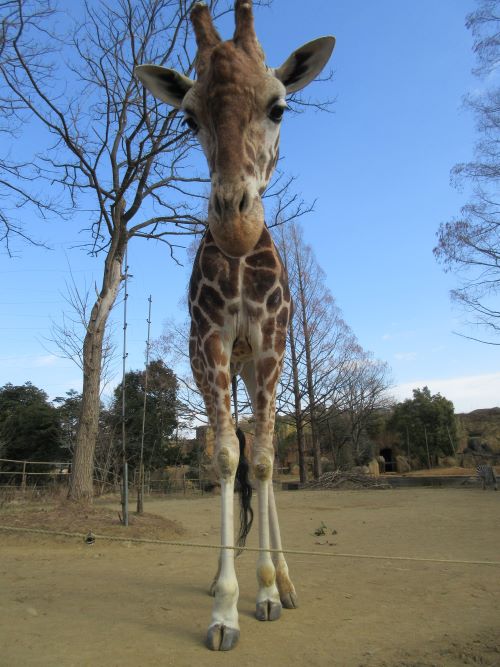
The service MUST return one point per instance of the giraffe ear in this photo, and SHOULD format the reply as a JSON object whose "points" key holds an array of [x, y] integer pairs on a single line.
{"points": [[305, 64], [165, 84]]}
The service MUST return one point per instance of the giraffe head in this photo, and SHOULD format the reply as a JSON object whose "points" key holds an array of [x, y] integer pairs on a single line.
{"points": [[235, 107]]}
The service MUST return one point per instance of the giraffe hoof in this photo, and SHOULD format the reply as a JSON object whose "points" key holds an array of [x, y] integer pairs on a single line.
{"points": [[290, 601], [268, 610], [222, 638]]}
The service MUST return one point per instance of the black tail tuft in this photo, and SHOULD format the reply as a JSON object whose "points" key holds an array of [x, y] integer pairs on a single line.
{"points": [[244, 488]]}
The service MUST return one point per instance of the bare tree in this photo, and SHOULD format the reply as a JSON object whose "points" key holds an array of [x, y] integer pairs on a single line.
{"points": [[68, 334], [19, 193], [320, 346], [172, 347], [114, 151], [363, 393], [470, 243]]}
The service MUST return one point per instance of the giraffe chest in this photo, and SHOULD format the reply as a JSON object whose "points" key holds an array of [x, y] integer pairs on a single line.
{"points": [[245, 299]]}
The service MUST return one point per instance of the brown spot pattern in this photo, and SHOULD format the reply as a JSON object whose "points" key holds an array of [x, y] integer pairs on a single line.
{"points": [[201, 325], [222, 380], [274, 300], [264, 368], [262, 259], [213, 350], [282, 318], [211, 302], [270, 386], [217, 267], [257, 283], [265, 240]]}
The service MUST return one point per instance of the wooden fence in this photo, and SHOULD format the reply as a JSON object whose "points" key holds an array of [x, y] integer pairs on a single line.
{"points": [[22, 474]]}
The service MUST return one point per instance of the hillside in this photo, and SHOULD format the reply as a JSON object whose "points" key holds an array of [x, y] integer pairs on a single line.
{"points": [[480, 427]]}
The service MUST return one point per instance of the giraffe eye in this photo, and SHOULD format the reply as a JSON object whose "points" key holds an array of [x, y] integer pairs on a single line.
{"points": [[276, 112], [190, 123]]}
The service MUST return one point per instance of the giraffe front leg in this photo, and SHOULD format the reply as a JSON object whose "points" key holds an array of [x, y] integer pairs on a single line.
{"points": [[288, 595], [268, 607], [224, 631], [211, 590]]}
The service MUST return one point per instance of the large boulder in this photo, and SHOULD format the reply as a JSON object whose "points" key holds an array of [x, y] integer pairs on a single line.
{"points": [[402, 464], [360, 470]]}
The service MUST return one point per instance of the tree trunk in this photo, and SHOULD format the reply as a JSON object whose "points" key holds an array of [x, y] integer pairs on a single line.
{"points": [[309, 376], [298, 408], [81, 487]]}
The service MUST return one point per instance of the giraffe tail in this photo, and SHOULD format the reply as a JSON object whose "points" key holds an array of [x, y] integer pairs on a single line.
{"points": [[244, 488]]}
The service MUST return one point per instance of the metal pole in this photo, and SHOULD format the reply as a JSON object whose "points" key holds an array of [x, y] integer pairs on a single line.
{"points": [[125, 494], [124, 448], [23, 479], [234, 382], [427, 447], [140, 486]]}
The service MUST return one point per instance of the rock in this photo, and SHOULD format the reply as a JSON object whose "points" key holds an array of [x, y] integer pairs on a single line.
{"points": [[362, 470], [402, 464], [450, 462]]}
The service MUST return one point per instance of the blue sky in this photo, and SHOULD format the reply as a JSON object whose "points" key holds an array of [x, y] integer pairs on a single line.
{"points": [[378, 169]]}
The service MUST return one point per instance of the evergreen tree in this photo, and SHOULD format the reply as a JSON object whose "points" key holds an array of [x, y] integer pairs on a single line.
{"points": [[68, 409], [160, 415], [30, 429], [426, 424]]}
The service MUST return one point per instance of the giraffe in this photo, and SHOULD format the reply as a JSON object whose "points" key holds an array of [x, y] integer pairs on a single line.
{"points": [[239, 299]]}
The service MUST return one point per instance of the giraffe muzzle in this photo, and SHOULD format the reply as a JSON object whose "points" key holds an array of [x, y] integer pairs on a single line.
{"points": [[236, 219], [229, 206]]}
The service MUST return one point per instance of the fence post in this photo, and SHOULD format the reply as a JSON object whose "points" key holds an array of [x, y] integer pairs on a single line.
{"points": [[23, 479]]}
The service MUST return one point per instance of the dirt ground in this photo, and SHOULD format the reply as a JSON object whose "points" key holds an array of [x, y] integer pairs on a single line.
{"points": [[64, 604]]}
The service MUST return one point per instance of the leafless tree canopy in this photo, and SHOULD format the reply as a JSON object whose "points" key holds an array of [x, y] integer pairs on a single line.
{"points": [[21, 194], [112, 146], [326, 371], [470, 243], [67, 335]]}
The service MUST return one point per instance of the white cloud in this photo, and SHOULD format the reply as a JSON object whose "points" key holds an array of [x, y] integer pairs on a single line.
{"points": [[44, 360], [405, 356], [25, 361], [468, 393]]}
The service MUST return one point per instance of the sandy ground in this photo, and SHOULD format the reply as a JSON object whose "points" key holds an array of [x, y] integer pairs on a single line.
{"points": [[63, 603]]}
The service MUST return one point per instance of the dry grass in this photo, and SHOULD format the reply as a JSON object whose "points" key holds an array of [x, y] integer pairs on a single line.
{"points": [[70, 517]]}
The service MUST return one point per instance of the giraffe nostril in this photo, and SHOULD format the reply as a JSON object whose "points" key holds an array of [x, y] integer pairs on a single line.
{"points": [[243, 203], [217, 205]]}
